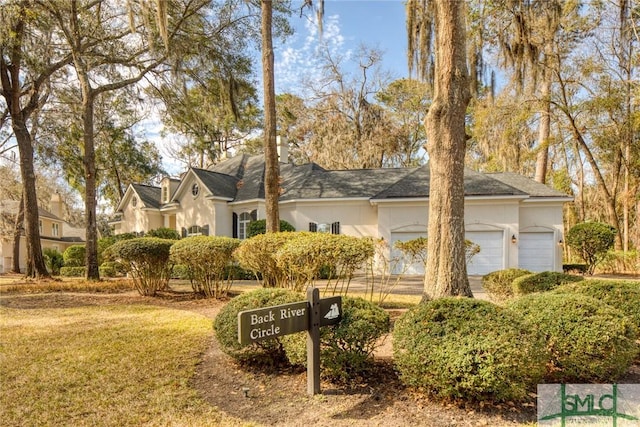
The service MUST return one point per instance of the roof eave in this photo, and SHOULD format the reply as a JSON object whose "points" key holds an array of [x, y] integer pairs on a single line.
{"points": [[545, 199], [212, 197]]}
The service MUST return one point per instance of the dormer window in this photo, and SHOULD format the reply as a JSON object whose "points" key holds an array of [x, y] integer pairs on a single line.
{"points": [[165, 194], [195, 189]]}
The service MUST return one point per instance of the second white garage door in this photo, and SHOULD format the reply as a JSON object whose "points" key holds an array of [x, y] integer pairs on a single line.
{"points": [[536, 251], [491, 255]]}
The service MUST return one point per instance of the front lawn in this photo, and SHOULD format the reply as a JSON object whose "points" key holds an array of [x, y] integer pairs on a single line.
{"points": [[102, 365]]}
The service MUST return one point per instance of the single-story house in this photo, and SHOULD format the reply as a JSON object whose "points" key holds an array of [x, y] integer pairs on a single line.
{"points": [[516, 221], [55, 233]]}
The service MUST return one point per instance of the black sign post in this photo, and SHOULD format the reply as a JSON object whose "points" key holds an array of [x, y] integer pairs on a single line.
{"points": [[278, 320]]}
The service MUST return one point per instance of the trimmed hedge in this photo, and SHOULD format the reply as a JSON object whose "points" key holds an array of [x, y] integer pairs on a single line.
{"points": [[499, 284], [207, 259], [542, 282], [587, 340], [74, 256], [469, 349], [73, 271], [146, 259], [257, 255], [260, 227], [295, 260], [267, 352], [620, 294], [347, 348], [164, 233]]}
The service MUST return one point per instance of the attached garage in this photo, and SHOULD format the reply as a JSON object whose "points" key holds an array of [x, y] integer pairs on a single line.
{"points": [[536, 251], [491, 255]]}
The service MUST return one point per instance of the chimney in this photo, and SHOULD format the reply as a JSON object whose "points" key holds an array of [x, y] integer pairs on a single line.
{"points": [[283, 149], [56, 205]]}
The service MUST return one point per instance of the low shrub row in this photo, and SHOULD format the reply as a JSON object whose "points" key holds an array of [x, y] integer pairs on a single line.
{"points": [[462, 348], [503, 285]]}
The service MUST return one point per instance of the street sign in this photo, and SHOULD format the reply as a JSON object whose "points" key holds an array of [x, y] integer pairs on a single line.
{"points": [[278, 320], [272, 322]]}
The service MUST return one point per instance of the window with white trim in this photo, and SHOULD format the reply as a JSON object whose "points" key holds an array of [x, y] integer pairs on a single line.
{"points": [[55, 229], [333, 228], [195, 189], [244, 219], [194, 230], [134, 201]]}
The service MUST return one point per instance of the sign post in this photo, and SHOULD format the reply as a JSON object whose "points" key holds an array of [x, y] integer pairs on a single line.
{"points": [[278, 320], [313, 342]]}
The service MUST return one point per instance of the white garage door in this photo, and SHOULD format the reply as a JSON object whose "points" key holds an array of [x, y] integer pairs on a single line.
{"points": [[536, 251], [491, 255], [398, 263]]}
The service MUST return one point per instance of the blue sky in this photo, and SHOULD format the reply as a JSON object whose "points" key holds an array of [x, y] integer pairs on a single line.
{"points": [[347, 24]]}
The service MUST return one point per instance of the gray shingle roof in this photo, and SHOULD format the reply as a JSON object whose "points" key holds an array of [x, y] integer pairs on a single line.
{"points": [[526, 185], [149, 195], [317, 183], [218, 184], [242, 178], [416, 184]]}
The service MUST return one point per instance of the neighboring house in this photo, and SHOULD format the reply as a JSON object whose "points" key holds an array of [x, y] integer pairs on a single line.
{"points": [[55, 233], [517, 222]]}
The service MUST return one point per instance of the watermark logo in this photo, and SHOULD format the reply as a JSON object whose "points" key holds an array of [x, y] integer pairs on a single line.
{"points": [[616, 405]]}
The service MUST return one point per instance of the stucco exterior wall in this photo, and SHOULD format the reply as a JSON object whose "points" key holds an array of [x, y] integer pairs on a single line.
{"points": [[357, 217], [137, 219], [195, 211]]}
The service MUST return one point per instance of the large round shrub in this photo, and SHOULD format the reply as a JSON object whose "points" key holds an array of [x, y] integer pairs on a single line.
{"points": [[591, 240], [257, 254], [499, 284], [621, 294], [146, 259], [269, 351], [467, 348], [347, 348], [208, 259], [587, 340], [74, 256], [542, 282]]}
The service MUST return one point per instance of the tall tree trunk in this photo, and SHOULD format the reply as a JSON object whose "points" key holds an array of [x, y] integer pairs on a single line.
{"points": [[446, 272], [90, 201], [17, 236], [544, 128], [12, 91], [35, 260], [272, 167]]}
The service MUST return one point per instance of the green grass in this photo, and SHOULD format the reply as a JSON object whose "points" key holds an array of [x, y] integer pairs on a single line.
{"points": [[66, 285], [102, 366]]}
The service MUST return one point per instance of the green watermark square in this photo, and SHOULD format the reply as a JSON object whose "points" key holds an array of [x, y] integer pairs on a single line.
{"points": [[616, 405]]}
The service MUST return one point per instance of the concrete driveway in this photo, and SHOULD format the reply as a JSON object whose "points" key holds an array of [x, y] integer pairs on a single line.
{"points": [[413, 285], [407, 285]]}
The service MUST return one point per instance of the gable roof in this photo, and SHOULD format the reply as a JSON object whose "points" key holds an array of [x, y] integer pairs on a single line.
{"points": [[149, 195], [218, 184]]}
